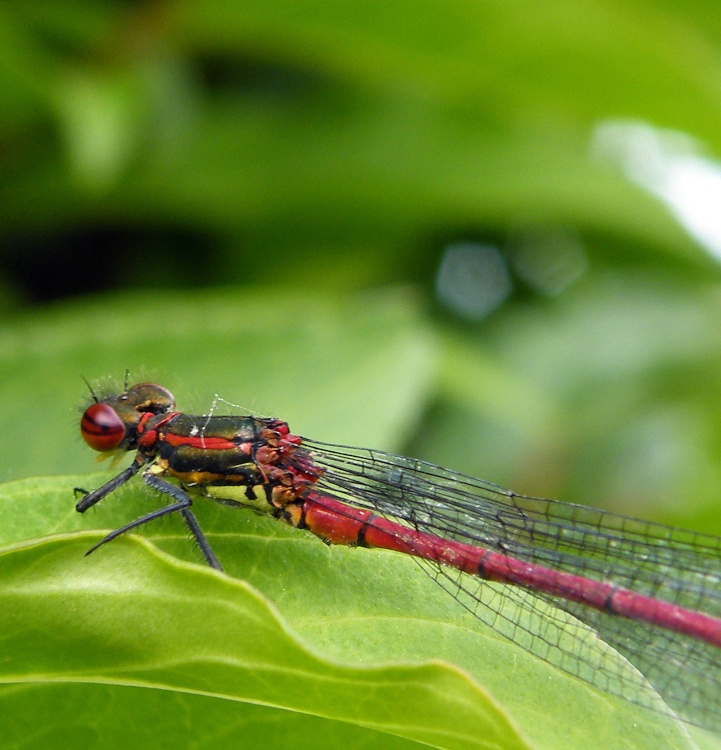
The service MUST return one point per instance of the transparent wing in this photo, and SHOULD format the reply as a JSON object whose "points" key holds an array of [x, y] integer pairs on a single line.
{"points": [[662, 562]]}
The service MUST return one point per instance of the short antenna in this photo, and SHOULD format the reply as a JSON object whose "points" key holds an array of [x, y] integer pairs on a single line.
{"points": [[90, 388]]}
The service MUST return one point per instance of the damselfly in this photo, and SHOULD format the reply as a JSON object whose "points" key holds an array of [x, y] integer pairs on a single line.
{"points": [[651, 591]]}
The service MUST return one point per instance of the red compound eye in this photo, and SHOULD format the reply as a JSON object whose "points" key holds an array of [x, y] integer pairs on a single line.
{"points": [[101, 428]]}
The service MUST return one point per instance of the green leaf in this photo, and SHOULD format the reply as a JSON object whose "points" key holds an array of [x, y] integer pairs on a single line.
{"points": [[358, 643]]}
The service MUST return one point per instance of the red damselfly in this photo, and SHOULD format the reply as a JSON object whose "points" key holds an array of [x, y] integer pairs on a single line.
{"points": [[651, 591]]}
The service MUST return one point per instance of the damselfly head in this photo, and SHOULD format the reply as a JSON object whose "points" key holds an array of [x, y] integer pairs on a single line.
{"points": [[111, 423]]}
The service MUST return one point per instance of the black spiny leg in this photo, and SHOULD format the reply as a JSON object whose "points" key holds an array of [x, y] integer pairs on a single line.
{"points": [[182, 503], [90, 498]]}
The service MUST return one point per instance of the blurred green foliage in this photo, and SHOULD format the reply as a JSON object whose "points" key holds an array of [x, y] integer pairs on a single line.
{"points": [[314, 151], [256, 199]]}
